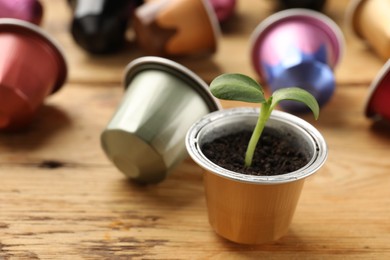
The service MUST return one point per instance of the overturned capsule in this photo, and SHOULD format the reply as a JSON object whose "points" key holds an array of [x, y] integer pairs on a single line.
{"points": [[298, 48], [32, 66], [145, 137], [27, 10], [99, 26]]}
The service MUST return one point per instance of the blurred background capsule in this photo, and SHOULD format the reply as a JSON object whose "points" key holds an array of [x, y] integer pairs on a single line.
{"points": [[27, 10], [169, 28], [298, 47], [317, 5], [369, 21], [99, 26], [224, 9], [377, 101]]}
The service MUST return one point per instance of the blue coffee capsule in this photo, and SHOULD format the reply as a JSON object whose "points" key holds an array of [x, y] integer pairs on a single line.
{"points": [[99, 26], [314, 76]]}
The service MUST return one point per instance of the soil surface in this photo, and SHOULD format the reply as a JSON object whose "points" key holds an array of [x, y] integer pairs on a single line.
{"points": [[274, 154]]}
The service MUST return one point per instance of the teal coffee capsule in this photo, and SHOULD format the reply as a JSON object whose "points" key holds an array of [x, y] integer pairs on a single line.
{"points": [[145, 137]]}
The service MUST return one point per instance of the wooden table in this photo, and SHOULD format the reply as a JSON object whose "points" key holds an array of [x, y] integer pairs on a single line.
{"points": [[61, 198]]}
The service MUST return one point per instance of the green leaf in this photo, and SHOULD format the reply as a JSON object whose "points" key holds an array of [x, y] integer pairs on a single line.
{"points": [[237, 87], [296, 94]]}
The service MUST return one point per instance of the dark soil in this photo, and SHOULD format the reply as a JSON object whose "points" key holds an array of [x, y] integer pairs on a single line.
{"points": [[274, 154]]}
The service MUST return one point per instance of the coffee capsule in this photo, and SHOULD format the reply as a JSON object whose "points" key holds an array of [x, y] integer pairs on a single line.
{"points": [[99, 26], [224, 9], [176, 27], [377, 102], [298, 48], [369, 21], [27, 10], [316, 5], [32, 66], [145, 138]]}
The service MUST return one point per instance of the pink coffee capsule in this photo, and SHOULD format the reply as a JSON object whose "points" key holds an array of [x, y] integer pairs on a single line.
{"points": [[32, 67], [377, 102], [27, 10], [224, 9]]}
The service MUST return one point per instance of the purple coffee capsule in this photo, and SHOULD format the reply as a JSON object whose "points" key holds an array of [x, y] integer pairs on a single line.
{"points": [[27, 10], [298, 48], [99, 26]]}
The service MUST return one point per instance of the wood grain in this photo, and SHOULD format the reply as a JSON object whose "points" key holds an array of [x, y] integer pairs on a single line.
{"points": [[60, 197]]}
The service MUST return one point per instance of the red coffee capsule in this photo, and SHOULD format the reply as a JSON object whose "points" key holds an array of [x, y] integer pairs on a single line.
{"points": [[377, 102], [32, 67]]}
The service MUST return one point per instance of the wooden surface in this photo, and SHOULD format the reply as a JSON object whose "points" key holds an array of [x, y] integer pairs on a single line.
{"points": [[60, 197]]}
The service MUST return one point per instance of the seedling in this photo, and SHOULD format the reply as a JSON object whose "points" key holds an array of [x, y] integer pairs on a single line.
{"points": [[243, 88]]}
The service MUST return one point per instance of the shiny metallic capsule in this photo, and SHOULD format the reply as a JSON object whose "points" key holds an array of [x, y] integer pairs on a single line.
{"points": [[145, 137]]}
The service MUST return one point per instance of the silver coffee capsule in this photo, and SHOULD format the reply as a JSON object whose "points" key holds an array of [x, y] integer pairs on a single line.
{"points": [[145, 137]]}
